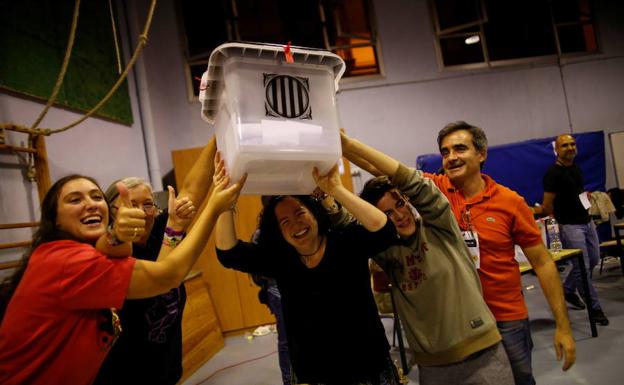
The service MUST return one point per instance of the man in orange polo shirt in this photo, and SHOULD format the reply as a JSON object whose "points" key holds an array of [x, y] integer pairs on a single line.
{"points": [[493, 219]]}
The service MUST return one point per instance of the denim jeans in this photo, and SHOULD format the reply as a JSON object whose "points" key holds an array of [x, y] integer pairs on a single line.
{"points": [[489, 366], [582, 237], [275, 304], [518, 345]]}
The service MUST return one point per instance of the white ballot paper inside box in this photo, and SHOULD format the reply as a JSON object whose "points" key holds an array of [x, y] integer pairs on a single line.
{"points": [[275, 117]]}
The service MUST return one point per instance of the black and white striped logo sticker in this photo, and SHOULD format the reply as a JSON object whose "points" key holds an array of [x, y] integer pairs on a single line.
{"points": [[287, 96]]}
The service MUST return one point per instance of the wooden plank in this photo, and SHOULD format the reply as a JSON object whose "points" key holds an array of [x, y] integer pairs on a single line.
{"points": [[42, 169], [221, 282], [8, 147], [18, 225], [254, 312], [201, 335], [611, 243], [183, 161], [9, 265], [525, 266], [13, 245], [223, 288]]}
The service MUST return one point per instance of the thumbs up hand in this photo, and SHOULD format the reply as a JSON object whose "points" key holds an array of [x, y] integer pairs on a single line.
{"points": [[129, 223], [181, 211]]}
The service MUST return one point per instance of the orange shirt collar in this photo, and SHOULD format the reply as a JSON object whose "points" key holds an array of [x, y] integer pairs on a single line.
{"points": [[488, 191]]}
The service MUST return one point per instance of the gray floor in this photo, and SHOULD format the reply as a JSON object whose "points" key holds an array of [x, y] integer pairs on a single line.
{"points": [[600, 361]]}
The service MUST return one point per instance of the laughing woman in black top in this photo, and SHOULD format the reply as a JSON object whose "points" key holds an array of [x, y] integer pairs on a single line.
{"points": [[324, 281]]}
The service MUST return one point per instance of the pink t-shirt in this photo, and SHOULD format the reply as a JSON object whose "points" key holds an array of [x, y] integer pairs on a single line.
{"points": [[52, 331]]}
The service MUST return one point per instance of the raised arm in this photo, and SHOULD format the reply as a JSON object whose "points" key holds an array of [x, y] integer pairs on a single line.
{"points": [[225, 235], [367, 158], [198, 181], [175, 261], [368, 215]]}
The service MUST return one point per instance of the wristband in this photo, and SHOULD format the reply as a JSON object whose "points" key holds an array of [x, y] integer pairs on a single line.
{"points": [[171, 241], [174, 233], [319, 194], [172, 237], [111, 238]]}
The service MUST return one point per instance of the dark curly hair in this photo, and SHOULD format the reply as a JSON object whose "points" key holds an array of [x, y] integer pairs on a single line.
{"points": [[270, 233], [375, 188], [47, 232]]}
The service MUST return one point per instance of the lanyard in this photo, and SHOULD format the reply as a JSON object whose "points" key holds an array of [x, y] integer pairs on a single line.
{"points": [[464, 212]]}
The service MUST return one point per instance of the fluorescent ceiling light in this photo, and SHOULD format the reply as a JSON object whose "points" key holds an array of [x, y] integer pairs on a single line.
{"points": [[472, 39]]}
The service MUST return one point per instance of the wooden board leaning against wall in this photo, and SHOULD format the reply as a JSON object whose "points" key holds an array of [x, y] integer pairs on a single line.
{"points": [[234, 295]]}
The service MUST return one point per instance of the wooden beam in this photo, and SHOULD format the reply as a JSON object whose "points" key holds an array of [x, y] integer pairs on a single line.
{"points": [[9, 265], [13, 245], [42, 168], [7, 147], [18, 225]]}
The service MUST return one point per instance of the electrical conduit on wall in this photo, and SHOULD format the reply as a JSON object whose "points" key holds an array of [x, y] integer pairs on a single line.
{"points": [[145, 109]]}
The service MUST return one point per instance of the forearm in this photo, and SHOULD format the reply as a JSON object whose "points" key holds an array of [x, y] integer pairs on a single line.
{"points": [[547, 210], [371, 158], [548, 276], [363, 164], [550, 282], [118, 251], [225, 233], [173, 262], [368, 215], [198, 181], [548, 203], [186, 252], [180, 259], [177, 224]]}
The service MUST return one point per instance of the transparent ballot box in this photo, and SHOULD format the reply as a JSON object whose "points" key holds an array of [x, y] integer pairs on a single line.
{"points": [[274, 112]]}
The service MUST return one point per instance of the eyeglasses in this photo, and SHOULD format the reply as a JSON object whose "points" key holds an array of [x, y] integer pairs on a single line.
{"points": [[147, 207]]}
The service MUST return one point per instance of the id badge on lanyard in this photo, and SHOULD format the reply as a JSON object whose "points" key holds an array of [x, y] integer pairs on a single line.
{"points": [[472, 241]]}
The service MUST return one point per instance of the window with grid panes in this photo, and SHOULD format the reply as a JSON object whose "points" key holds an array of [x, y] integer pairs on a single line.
{"points": [[486, 33], [344, 27]]}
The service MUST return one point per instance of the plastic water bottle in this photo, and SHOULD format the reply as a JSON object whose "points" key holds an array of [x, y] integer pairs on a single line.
{"points": [[553, 235]]}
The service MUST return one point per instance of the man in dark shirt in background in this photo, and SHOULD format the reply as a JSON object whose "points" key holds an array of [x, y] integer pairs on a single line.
{"points": [[566, 199]]}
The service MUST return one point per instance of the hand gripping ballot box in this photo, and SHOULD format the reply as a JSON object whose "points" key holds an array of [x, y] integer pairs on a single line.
{"points": [[274, 120]]}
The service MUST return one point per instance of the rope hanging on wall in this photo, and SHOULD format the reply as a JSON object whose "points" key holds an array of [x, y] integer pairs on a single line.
{"points": [[33, 130], [61, 75], [117, 54]]}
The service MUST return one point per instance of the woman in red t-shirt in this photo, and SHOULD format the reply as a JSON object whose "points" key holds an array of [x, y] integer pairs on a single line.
{"points": [[58, 309]]}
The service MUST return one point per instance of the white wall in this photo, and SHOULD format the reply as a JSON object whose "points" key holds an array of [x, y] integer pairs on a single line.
{"points": [[176, 121], [399, 112], [97, 147], [414, 99], [510, 104]]}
